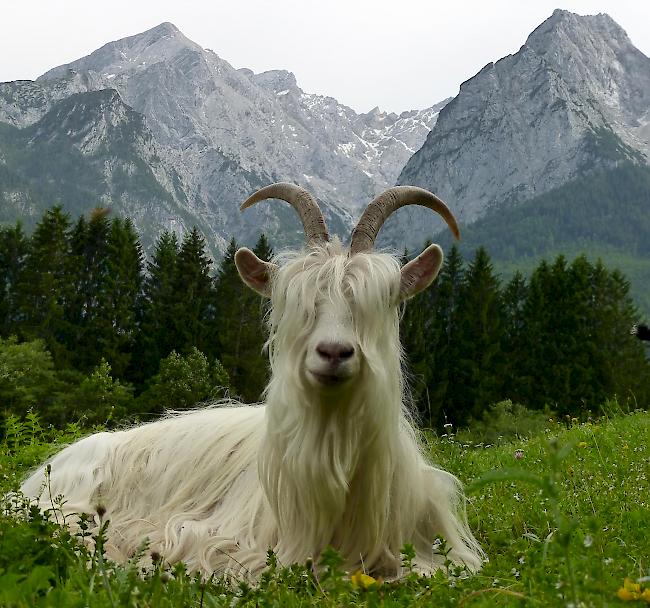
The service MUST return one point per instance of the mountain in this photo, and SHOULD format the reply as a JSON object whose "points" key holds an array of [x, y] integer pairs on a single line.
{"points": [[603, 215], [89, 149], [574, 99], [213, 133]]}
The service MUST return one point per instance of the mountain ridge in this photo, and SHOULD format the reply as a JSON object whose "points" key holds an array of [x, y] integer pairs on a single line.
{"points": [[220, 133], [543, 116]]}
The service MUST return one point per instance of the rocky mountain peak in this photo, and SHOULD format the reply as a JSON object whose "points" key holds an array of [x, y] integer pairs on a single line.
{"points": [[575, 97], [276, 80], [585, 33], [161, 43], [218, 133]]}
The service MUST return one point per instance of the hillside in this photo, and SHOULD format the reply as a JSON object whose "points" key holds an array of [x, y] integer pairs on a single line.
{"points": [[604, 215]]}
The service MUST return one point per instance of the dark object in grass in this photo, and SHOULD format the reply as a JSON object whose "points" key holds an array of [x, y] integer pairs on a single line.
{"points": [[642, 332]]}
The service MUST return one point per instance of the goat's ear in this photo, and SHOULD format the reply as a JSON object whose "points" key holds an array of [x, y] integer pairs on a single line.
{"points": [[254, 272], [419, 273]]}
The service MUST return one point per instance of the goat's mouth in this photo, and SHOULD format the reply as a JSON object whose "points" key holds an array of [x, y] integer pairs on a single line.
{"points": [[330, 379]]}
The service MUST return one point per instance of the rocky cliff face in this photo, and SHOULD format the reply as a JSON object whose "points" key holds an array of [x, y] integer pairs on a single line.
{"points": [[574, 98], [217, 134], [89, 149]]}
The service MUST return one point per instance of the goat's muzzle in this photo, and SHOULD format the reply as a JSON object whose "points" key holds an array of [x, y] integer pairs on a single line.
{"points": [[333, 363]]}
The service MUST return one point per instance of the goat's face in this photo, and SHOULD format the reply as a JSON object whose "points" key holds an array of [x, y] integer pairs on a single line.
{"points": [[334, 309], [332, 355], [334, 316]]}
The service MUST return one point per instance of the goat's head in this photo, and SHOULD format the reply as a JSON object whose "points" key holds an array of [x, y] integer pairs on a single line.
{"points": [[334, 309]]}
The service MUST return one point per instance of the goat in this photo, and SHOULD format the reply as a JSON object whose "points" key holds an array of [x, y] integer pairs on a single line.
{"points": [[331, 458]]}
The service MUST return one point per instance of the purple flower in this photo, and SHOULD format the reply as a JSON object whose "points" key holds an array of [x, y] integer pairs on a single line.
{"points": [[519, 454]]}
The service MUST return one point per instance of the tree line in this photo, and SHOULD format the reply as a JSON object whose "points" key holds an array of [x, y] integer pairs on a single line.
{"points": [[91, 329], [559, 339]]}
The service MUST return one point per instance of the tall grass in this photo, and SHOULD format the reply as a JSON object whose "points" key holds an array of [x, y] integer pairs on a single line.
{"points": [[564, 517]]}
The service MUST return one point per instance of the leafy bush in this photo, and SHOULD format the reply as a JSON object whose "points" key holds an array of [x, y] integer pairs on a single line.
{"points": [[27, 378], [97, 399], [184, 381]]}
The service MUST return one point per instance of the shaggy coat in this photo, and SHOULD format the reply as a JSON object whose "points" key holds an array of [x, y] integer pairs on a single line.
{"points": [[341, 466]]}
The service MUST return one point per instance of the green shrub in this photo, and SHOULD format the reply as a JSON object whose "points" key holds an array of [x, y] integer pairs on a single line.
{"points": [[28, 380], [97, 399], [183, 381]]}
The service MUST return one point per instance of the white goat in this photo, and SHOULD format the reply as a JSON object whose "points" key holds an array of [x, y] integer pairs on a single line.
{"points": [[331, 459]]}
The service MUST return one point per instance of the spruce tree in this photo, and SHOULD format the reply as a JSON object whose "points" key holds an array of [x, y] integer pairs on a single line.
{"points": [[43, 283], [13, 253], [194, 305], [480, 323], [443, 336], [87, 304], [418, 335], [123, 287], [157, 309], [514, 299], [534, 367], [241, 333]]}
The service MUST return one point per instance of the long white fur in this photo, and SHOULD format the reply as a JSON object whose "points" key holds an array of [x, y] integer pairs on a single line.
{"points": [[218, 487]]}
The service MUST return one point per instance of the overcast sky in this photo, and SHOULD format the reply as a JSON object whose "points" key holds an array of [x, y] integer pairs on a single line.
{"points": [[399, 55]]}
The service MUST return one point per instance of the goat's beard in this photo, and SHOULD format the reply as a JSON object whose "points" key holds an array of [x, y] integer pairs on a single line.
{"points": [[350, 472], [327, 465]]}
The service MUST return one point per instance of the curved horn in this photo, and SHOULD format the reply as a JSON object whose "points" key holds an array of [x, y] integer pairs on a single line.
{"points": [[303, 202], [378, 210]]}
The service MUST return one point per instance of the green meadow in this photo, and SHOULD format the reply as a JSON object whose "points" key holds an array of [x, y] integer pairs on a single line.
{"points": [[563, 516]]}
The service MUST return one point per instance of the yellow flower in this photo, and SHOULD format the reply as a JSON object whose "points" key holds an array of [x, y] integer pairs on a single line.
{"points": [[582, 444], [630, 591], [362, 580], [646, 595], [626, 447]]}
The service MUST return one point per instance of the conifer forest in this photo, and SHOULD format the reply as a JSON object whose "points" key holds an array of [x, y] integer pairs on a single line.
{"points": [[92, 331]]}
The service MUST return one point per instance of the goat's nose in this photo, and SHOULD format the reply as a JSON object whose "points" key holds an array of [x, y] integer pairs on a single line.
{"points": [[335, 352]]}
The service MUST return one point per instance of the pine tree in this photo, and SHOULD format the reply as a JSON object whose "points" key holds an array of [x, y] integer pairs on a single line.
{"points": [[123, 287], [87, 304], [13, 253], [241, 333], [480, 321], [514, 299], [623, 362], [534, 367], [157, 308], [442, 335], [194, 304], [418, 336], [43, 283]]}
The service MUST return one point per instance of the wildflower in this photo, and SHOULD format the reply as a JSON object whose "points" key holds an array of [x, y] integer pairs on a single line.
{"points": [[364, 581], [582, 444], [588, 541], [574, 420], [519, 454], [629, 591]]}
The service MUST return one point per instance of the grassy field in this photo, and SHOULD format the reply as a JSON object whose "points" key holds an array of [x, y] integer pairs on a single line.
{"points": [[564, 518]]}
